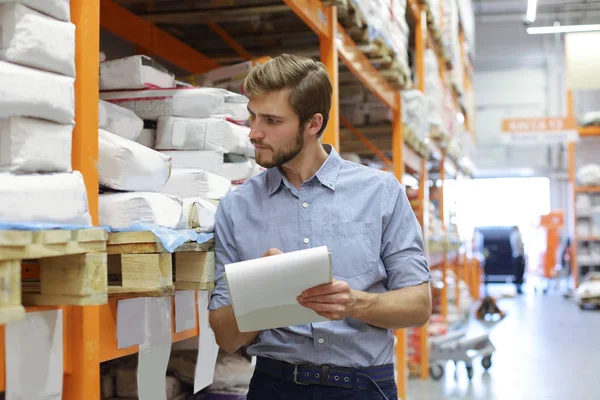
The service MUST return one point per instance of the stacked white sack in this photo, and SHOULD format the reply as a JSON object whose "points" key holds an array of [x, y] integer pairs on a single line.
{"points": [[198, 213], [147, 138], [182, 102], [175, 133], [119, 120], [196, 183], [123, 210], [29, 145], [415, 111], [434, 89], [135, 72], [234, 167], [29, 92], [58, 9], [129, 166], [36, 40], [44, 198]]}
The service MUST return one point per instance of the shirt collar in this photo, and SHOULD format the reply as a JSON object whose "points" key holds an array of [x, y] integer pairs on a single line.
{"points": [[327, 174]]}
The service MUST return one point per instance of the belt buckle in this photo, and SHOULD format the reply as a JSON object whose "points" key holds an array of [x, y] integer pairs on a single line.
{"points": [[296, 372]]}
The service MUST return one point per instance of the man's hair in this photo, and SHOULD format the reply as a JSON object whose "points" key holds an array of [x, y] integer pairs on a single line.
{"points": [[307, 79]]}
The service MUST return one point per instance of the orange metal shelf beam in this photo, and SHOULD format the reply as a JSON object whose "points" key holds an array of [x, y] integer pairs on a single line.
{"points": [[587, 189], [589, 131], [312, 12], [108, 331], [140, 32], [366, 142], [240, 51], [329, 57]]}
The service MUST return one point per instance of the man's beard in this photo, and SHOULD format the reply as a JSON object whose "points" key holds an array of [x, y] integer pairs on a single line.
{"points": [[284, 155]]}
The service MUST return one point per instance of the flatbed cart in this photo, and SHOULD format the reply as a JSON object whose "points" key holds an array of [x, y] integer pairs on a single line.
{"points": [[455, 346]]}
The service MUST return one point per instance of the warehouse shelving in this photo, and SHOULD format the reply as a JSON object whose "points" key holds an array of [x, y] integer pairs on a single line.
{"points": [[90, 331]]}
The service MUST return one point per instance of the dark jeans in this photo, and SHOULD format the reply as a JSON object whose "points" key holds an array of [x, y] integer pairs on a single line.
{"points": [[519, 269], [266, 387]]}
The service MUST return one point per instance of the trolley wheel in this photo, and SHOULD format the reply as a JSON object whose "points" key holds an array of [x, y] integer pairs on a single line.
{"points": [[436, 372], [469, 371], [486, 362]]}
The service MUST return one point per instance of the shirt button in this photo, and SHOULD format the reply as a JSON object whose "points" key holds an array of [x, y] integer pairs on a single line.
{"points": [[321, 340], [306, 240], [305, 205]]}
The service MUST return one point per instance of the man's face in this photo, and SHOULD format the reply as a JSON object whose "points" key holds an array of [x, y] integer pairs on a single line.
{"points": [[275, 129]]}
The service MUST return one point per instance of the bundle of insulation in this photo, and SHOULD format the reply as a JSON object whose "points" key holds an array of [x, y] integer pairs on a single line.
{"points": [[125, 165], [33, 39], [233, 167], [44, 198], [198, 213], [591, 118], [182, 102], [434, 90], [123, 210], [589, 175], [119, 120], [135, 72], [29, 145], [28, 92], [176, 133], [196, 183], [58, 9], [415, 112], [230, 77]]}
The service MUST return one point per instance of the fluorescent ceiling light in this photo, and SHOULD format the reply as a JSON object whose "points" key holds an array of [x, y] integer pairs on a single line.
{"points": [[531, 10], [540, 30]]}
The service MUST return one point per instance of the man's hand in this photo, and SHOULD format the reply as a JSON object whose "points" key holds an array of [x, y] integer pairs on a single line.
{"points": [[334, 301], [272, 252]]}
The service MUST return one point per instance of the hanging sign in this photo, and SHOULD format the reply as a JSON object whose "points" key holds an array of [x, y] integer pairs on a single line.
{"points": [[545, 130]]}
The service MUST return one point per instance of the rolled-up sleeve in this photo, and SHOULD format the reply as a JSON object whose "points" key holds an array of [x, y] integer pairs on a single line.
{"points": [[225, 253], [402, 241]]}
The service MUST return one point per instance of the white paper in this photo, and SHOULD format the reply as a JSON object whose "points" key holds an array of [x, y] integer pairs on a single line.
{"points": [[264, 290], [208, 350], [34, 357], [185, 310], [152, 371], [130, 322], [154, 353]]}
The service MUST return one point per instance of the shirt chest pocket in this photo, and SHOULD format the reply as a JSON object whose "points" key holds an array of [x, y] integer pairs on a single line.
{"points": [[354, 248]]}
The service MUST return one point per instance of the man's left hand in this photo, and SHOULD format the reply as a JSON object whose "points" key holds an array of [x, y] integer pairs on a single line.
{"points": [[334, 301]]}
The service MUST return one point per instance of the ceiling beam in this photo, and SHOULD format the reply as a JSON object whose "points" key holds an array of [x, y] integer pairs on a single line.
{"points": [[216, 15]]}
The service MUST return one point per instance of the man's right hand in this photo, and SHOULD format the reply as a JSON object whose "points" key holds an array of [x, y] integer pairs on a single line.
{"points": [[272, 252]]}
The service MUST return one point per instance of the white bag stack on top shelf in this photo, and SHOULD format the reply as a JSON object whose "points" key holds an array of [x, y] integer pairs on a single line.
{"points": [[415, 112], [125, 166], [434, 90], [37, 110]]}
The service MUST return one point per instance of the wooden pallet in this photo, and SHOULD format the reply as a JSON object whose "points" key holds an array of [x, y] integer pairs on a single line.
{"points": [[139, 263], [72, 269]]}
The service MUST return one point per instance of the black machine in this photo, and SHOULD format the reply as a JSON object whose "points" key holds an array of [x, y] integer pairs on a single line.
{"points": [[498, 266]]}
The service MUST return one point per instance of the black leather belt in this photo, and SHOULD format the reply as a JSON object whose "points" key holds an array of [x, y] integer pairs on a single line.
{"points": [[309, 374]]}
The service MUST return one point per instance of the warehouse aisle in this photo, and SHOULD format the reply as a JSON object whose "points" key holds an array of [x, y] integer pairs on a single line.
{"points": [[547, 349]]}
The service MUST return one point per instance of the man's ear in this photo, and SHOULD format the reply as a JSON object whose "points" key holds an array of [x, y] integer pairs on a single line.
{"points": [[314, 124]]}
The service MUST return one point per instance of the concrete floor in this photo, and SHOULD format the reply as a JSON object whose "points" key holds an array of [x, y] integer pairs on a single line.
{"points": [[546, 349]]}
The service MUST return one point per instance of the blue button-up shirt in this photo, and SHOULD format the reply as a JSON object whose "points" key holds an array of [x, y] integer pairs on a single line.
{"points": [[364, 218]]}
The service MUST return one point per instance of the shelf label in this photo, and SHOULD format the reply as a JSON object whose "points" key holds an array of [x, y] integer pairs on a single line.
{"points": [[532, 131]]}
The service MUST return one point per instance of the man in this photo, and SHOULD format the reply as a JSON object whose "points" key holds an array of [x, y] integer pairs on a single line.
{"points": [[518, 253], [309, 197]]}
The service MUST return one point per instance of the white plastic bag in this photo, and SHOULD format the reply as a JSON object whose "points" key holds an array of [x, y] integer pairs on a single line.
{"points": [[123, 210], [234, 167], [30, 92], [196, 183], [182, 102], [198, 213], [126, 165], [34, 145], [44, 198], [119, 120], [36, 40], [135, 72], [147, 138], [176, 133], [589, 175], [59, 9]]}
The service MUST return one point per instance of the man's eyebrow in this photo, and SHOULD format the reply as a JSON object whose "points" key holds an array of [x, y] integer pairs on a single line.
{"points": [[265, 115]]}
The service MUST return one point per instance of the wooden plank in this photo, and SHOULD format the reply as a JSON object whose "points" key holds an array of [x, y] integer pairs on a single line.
{"points": [[76, 275], [10, 314], [10, 292], [131, 237], [158, 292], [15, 238], [194, 285], [194, 270], [39, 299]]}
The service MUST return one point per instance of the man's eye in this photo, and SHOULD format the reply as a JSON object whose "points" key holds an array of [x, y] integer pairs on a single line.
{"points": [[272, 120]]}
